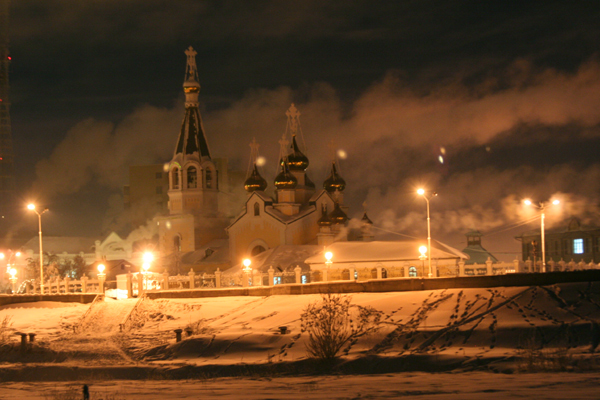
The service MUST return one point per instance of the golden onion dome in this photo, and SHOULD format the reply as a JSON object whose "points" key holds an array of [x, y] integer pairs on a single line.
{"points": [[297, 160], [335, 181], [285, 180], [324, 220], [337, 216], [255, 181]]}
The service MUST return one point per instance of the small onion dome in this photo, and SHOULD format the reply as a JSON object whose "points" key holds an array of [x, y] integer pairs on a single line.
{"points": [[335, 181], [297, 160], [308, 182], [337, 216], [255, 181], [324, 220], [285, 180], [365, 219]]}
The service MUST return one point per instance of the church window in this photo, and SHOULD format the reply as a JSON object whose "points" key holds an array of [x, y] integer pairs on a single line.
{"points": [[412, 272], [192, 178], [175, 178], [256, 209], [276, 280], [578, 246], [208, 178]]}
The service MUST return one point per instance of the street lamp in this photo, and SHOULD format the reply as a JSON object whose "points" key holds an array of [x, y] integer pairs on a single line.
{"points": [[13, 279], [247, 270], [421, 192], [101, 277], [328, 257], [542, 208], [32, 208]]}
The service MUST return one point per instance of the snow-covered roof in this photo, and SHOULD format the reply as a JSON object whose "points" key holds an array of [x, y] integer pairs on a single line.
{"points": [[384, 251]]}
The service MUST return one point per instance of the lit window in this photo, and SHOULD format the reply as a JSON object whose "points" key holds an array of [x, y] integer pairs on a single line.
{"points": [[578, 246], [276, 280], [304, 279], [412, 272]]}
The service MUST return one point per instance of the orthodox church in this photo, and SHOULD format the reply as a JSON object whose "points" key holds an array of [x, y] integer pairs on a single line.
{"points": [[298, 214]]}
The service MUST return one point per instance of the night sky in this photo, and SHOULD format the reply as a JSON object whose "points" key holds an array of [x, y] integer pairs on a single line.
{"points": [[508, 93]]}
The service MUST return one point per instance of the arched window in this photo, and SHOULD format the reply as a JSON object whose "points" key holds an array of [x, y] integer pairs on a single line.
{"points": [[177, 242], [257, 250], [256, 209], [175, 178], [192, 178], [412, 272], [209, 183]]}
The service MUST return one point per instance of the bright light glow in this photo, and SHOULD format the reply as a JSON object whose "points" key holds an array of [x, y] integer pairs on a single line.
{"points": [[2, 256], [31, 206], [12, 272], [18, 254], [260, 161], [101, 268], [246, 262], [146, 266], [555, 202], [423, 250], [342, 155], [527, 202], [443, 150], [328, 255], [148, 257], [421, 192], [441, 159]]}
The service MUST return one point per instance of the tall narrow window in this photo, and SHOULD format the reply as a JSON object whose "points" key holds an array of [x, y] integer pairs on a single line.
{"points": [[412, 272], [177, 242], [208, 178], [192, 178], [578, 246], [175, 178], [256, 209]]}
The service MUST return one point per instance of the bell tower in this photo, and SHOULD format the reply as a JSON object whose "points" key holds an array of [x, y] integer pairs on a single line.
{"points": [[193, 177]]}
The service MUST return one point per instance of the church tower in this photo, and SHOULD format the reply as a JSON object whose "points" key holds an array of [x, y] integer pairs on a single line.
{"points": [[193, 177]]}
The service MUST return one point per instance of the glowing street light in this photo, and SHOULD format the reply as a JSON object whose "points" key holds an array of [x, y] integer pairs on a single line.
{"points": [[542, 208], [421, 192], [101, 269], [328, 257], [13, 279], [247, 263], [32, 208]]}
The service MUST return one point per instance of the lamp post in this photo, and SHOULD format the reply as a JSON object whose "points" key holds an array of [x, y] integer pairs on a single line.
{"points": [[148, 257], [101, 277], [421, 192], [247, 270], [13, 279], [542, 208], [32, 207], [422, 257]]}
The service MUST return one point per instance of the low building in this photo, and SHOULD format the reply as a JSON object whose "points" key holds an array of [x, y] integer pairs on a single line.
{"points": [[573, 242]]}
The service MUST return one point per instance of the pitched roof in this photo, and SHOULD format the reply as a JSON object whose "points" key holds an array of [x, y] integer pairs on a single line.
{"points": [[192, 139], [348, 252], [61, 244]]}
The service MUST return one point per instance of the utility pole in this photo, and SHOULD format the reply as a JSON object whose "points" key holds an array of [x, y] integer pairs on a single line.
{"points": [[7, 179]]}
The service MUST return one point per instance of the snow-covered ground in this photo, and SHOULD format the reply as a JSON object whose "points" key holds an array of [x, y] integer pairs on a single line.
{"points": [[485, 340]]}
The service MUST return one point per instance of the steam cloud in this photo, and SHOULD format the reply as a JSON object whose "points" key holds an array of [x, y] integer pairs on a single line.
{"points": [[392, 134]]}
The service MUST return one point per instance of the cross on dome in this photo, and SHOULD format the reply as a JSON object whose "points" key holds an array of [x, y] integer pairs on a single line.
{"points": [[191, 70], [293, 118]]}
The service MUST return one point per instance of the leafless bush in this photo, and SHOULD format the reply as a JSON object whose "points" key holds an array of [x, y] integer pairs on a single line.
{"points": [[334, 323], [5, 329]]}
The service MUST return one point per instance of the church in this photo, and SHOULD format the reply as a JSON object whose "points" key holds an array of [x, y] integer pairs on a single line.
{"points": [[297, 222]]}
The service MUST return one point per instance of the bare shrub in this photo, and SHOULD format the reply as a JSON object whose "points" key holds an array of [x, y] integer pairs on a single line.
{"points": [[334, 322], [5, 329]]}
